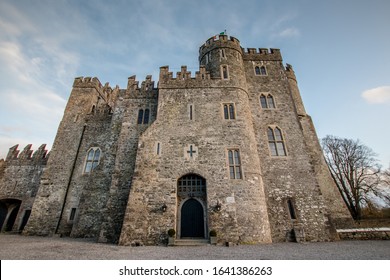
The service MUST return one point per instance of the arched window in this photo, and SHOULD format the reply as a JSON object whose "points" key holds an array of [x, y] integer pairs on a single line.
{"points": [[257, 70], [263, 71], [93, 158], [270, 100], [228, 111], [263, 101], [267, 101], [140, 116], [260, 71], [276, 142]]}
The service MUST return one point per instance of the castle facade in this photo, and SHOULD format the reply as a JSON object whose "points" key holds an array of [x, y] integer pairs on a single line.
{"points": [[230, 149]]}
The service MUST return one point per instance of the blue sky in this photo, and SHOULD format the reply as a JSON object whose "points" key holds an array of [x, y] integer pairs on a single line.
{"points": [[340, 51]]}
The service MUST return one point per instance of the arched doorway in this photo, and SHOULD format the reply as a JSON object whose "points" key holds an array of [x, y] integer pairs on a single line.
{"points": [[9, 209], [192, 200], [192, 219]]}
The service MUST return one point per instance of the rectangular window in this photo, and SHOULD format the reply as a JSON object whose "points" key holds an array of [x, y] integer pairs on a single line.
{"points": [[229, 111], [272, 147], [234, 164], [88, 167], [223, 53], [140, 116], [72, 214], [146, 116], [158, 148], [280, 148], [191, 112], [225, 73], [291, 209]]}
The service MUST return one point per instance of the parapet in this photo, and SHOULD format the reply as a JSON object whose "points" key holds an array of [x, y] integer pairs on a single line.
{"points": [[146, 90], [262, 54], [219, 41], [105, 92], [182, 77], [27, 157], [87, 82], [290, 72], [225, 41]]}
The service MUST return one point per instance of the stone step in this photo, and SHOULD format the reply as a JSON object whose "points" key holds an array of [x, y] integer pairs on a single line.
{"points": [[191, 242]]}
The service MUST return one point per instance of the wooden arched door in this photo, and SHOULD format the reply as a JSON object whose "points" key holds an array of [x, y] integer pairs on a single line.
{"points": [[192, 219]]}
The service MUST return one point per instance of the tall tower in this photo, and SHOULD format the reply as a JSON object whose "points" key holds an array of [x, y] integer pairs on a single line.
{"points": [[222, 57], [200, 156]]}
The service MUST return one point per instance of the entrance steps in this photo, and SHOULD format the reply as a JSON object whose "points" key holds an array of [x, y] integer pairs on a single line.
{"points": [[191, 242]]}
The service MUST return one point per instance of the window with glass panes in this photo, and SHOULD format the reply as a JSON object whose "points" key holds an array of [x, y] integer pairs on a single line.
{"points": [[263, 71], [93, 157], [143, 116], [276, 142], [229, 111], [234, 164], [267, 101]]}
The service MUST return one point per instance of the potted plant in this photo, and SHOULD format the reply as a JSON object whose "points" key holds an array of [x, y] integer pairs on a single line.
{"points": [[171, 237], [213, 237]]}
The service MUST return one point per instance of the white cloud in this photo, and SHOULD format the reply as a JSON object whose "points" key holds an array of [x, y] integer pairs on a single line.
{"points": [[289, 32], [379, 95], [34, 82]]}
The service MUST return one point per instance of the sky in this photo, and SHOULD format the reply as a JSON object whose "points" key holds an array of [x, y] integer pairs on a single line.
{"points": [[340, 51]]}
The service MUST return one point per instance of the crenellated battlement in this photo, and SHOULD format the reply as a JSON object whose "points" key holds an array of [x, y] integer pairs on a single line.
{"points": [[27, 156], [147, 88], [263, 54], [87, 82], [219, 40], [290, 72], [183, 76], [106, 92]]}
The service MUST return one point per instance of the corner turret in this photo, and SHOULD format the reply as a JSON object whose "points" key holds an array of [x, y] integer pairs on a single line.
{"points": [[292, 80], [222, 57]]}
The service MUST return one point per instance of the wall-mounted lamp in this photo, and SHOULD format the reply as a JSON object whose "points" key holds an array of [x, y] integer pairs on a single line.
{"points": [[164, 207], [218, 206]]}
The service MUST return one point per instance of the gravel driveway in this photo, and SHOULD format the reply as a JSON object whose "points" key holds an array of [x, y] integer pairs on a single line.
{"points": [[14, 247]]}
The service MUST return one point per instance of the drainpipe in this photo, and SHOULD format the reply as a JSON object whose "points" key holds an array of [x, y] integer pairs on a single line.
{"points": [[70, 178]]}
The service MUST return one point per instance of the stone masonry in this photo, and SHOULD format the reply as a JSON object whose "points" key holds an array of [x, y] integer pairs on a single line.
{"points": [[20, 175], [230, 150]]}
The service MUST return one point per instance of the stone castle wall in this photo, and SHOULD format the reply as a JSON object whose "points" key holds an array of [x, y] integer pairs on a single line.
{"points": [[156, 175], [20, 175], [132, 196]]}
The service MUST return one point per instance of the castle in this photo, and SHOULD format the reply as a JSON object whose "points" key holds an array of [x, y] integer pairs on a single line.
{"points": [[230, 150]]}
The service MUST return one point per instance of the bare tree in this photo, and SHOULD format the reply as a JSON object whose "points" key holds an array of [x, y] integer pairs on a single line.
{"points": [[354, 169], [384, 194], [386, 177]]}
